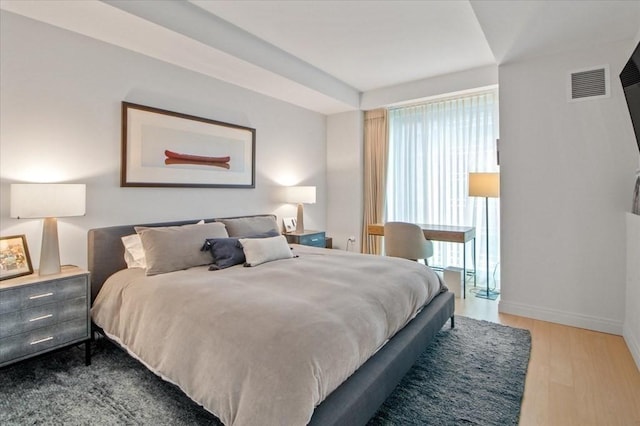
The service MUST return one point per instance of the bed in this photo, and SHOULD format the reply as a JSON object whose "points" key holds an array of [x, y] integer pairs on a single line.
{"points": [[333, 394]]}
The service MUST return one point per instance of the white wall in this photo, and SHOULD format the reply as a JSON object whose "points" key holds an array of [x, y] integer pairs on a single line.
{"points": [[631, 330], [60, 112], [567, 172], [345, 179]]}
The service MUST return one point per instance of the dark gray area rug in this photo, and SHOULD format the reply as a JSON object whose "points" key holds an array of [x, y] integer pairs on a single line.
{"points": [[473, 374]]}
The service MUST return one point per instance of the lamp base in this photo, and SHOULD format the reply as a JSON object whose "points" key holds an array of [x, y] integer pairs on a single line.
{"points": [[300, 219], [50, 251], [491, 295]]}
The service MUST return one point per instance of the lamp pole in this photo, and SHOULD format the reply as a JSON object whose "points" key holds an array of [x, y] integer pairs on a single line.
{"points": [[487, 294], [486, 227]]}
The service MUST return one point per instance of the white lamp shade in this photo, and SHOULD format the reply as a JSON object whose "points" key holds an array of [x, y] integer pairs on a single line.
{"points": [[484, 185], [300, 194], [42, 200]]}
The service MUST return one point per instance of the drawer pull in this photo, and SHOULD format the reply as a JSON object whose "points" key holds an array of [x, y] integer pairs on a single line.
{"points": [[315, 239], [38, 296], [41, 318], [46, 339]]}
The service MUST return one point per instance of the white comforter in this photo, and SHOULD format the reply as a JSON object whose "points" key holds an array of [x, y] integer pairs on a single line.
{"points": [[264, 345]]}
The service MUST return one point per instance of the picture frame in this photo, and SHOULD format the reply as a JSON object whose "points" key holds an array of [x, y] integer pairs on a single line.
{"points": [[162, 148], [14, 257], [289, 224]]}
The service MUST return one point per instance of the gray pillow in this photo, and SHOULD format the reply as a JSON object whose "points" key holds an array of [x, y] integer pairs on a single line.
{"points": [[241, 227], [172, 248]]}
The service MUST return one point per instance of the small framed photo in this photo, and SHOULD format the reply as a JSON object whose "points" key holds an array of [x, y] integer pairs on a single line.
{"points": [[289, 224], [14, 257]]}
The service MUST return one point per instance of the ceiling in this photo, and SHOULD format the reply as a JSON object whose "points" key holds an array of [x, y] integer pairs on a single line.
{"points": [[368, 45], [323, 55]]}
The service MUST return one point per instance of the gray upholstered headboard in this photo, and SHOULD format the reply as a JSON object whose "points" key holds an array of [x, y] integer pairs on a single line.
{"points": [[106, 252]]}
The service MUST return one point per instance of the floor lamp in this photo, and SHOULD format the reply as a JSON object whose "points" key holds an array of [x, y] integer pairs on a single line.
{"points": [[49, 201], [485, 185]]}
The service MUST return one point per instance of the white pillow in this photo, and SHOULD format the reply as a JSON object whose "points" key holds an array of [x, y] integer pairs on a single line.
{"points": [[261, 250], [133, 251]]}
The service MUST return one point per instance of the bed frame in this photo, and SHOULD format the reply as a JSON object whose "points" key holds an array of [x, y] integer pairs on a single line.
{"points": [[359, 397]]}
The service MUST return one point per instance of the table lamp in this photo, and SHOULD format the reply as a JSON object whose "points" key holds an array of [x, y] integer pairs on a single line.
{"points": [[300, 195], [485, 185], [49, 201]]}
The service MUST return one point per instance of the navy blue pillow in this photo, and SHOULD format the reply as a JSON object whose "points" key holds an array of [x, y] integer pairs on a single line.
{"points": [[228, 252]]}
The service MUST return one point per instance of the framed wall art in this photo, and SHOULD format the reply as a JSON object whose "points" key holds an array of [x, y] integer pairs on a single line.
{"points": [[14, 257], [163, 148], [289, 224]]}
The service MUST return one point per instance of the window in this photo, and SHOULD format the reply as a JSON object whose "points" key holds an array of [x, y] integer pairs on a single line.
{"points": [[432, 148]]}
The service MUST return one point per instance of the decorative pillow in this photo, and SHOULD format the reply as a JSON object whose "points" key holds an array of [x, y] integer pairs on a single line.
{"points": [[261, 250], [173, 248], [133, 251], [244, 227], [228, 252]]}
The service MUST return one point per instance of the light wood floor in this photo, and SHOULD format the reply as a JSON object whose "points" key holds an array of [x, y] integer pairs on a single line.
{"points": [[575, 376]]}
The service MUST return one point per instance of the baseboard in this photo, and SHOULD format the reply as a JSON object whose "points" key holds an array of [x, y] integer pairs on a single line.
{"points": [[561, 317], [632, 344]]}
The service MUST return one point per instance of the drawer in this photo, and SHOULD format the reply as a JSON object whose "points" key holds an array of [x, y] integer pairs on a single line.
{"points": [[28, 296], [17, 322], [316, 240], [43, 339]]}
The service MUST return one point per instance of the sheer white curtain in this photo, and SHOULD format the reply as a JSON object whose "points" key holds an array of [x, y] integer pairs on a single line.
{"points": [[432, 148]]}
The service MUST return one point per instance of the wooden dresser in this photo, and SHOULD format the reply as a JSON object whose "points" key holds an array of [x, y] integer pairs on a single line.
{"points": [[40, 314]]}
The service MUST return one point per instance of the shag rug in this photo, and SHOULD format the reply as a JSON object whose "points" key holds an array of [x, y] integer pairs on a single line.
{"points": [[472, 374]]}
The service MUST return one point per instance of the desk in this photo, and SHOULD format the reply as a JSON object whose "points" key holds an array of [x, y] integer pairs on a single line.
{"points": [[446, 233]]}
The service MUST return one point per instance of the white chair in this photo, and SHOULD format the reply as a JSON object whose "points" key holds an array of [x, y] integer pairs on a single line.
{"points": [[406, 240]]}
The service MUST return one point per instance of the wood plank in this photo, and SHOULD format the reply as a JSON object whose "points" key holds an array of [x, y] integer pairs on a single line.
{"points": [[560, 361]]}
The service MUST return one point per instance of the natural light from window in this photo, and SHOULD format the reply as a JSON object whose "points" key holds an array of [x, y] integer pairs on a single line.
{"points": [[432, 148]]}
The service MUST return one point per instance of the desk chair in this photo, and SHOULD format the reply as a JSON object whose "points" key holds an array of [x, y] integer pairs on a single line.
{"points": [[406, 240]]}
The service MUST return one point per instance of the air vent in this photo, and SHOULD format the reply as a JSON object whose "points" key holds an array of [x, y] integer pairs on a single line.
{"points": [[589, 84]]}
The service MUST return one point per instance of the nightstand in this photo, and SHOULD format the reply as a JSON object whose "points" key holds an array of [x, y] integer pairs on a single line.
{"points": [[307, 238], [41, 314]]}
